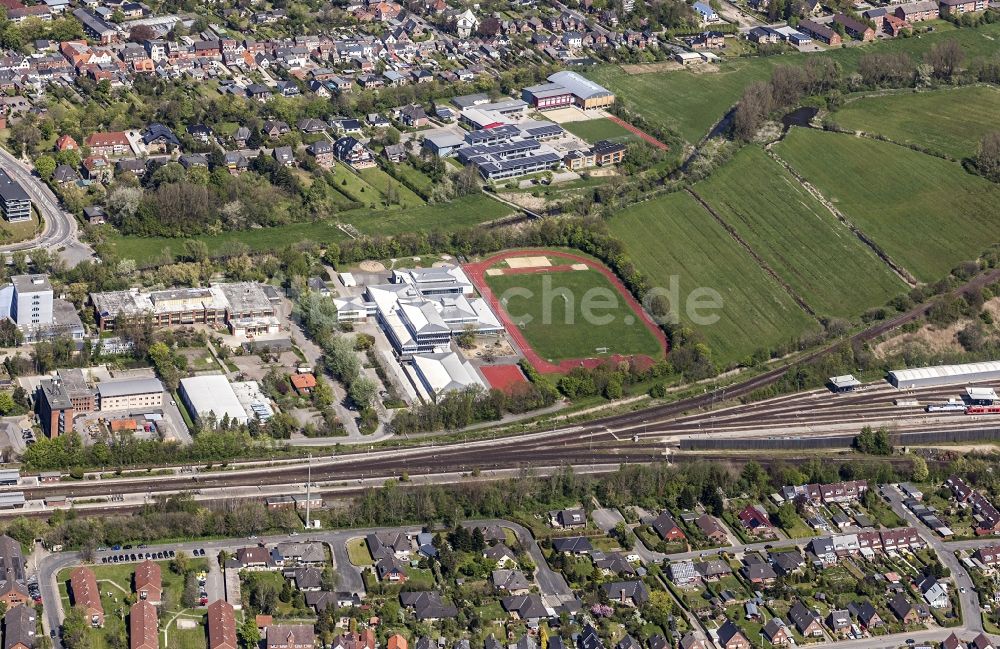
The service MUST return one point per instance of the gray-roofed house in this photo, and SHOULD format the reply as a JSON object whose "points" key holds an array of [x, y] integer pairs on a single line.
{"points": [[630, 593], [572, 545], [428, 605], [528, 608], [284, 155], [513, 582], [806, 622]]}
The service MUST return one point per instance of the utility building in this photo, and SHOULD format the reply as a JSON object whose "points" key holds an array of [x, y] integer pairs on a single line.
{"points": [[922, 377]]}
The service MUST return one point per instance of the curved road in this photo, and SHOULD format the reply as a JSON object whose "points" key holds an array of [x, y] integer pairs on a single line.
{"points": [[60, 228]]}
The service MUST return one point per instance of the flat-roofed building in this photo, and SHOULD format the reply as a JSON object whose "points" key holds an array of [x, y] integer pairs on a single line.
{"points": [[55, 409], [586, 93], [128, 394], [212, 395], [213, 305], [14, 201]]}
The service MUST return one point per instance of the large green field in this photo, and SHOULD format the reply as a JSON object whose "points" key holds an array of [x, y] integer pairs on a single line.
{"points": [[947, 121], [692, 101], [593, 130], [460, 213], [559, 322], [927, 213], [797, 236], [674, 237]]}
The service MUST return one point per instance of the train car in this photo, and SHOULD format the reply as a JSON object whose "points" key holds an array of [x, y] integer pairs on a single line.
{"points": [[946, 407], [983, 410]]}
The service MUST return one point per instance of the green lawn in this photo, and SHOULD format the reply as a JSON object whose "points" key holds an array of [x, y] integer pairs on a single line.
{"points": [[927, 213], [358, 552], [414, 177], [947, 121], [691, 102], [559, 321], [797, 237], [381, 181], [674, 237], [593, 130], [464, 212]]}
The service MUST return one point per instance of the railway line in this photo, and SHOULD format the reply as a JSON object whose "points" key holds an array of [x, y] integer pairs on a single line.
{"points": [[634, 437]]}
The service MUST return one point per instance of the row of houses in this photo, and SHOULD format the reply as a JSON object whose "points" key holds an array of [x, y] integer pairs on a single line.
{"points": [[985, 514]]}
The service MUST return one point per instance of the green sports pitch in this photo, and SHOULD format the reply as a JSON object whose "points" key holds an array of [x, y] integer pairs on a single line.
{"points": [[549, 308]]}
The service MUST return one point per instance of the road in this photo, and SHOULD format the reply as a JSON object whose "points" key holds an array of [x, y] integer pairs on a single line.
{"points": [[553, 587], [969, 600], [59, 232]]}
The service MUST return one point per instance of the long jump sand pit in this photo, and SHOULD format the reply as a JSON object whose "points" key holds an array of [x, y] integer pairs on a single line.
{"points": [[540, 261]]}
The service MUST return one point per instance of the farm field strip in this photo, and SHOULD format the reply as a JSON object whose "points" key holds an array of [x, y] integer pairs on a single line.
{"points": [[929, 119], [797, 236], [927, 213], [673, 238]]}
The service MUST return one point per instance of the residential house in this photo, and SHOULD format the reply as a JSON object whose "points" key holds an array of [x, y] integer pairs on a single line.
{"points": [[777, 633], [867, 616], [322, 152], [667, 528], [629, 593], [113, 143], [284, 155], [159, 139], [569, 518], [682, 573], [755, 519], [855, 27], [527, 608], [148, 582], [957, 7], [572, 545], [805, 621], [144, 630], [351, 151], [512, 582], [221, 625], [712, 529], [290, 636], [395, 153], [935, 592], [86, 595], [275, 128], [821, 32], [731, 637], [427, 606], [501, 555], [903, 609], [19, 624], [391, 570], [839, 622]]}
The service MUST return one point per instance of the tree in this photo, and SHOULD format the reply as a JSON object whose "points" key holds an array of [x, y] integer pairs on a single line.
{"points": [[363, 392], [753, 109], [944, 58], [920, 472], [248, 632], [988, 156], [873, 442], [6, 403], [141, 34], [45, 165], [75, 630]]}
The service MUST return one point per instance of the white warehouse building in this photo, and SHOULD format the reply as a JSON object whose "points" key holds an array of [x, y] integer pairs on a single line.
{"points": [[922, 377], [212, 394]]}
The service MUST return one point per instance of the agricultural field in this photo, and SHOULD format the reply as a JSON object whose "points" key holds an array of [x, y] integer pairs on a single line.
{"points": [[691, 101], [554, 321], [593, 130], [926, 119], [674, 237], [467, 211], [797, 236], [927, 213]]}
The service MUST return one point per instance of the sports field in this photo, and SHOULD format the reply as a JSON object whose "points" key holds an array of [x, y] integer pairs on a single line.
{"points": [[593, 130], [797, 236], [552, 310], [691, 101], [674, 236], [947, 121], [927, 213]]}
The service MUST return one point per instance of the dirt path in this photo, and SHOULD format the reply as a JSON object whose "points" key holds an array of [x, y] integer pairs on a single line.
{"points": [[900, 271]]}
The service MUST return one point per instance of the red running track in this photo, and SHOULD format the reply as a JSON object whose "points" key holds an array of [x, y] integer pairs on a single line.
{"points": [[477, 271], [643, 134]]}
